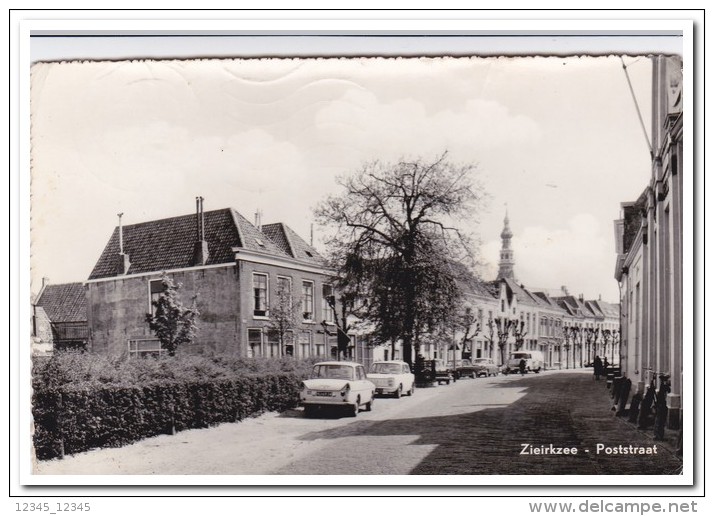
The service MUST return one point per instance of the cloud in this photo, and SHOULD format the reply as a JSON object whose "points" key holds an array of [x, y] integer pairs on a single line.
{"points": [[360, 125]]}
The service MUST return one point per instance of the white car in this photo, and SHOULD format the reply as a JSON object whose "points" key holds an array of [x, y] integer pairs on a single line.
{"points": [[337, 384], [392, 377]]}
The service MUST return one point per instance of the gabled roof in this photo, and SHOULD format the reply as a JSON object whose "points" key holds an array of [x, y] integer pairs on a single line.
{"points": [[493, 288], [64, 302], [594, 309], [606, 309], [291, 243], [169, 243], [471, 283], [575, 306], [549, 301], [523, 295]]}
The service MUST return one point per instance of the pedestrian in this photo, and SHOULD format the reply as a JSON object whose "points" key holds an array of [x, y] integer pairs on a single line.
{"points": [[522, 366], [605, 364], [597, 367]]}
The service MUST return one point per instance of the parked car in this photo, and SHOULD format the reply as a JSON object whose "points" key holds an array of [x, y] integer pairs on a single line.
{"points": [[444, 374], [392, 377], [465, 368], [337, 384], [485, 367]]}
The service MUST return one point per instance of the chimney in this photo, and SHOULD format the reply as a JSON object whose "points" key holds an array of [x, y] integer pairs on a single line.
{"points": [[565, 290], [258, 223], [200, 248], [599, 297], [123, 262], [581, 297], [45, 281]]}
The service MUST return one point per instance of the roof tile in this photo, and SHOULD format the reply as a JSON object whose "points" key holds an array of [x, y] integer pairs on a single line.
{"points": [[169, 243], [65, 302]]}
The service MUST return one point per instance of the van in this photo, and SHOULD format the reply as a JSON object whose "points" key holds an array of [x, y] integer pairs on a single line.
{"points": [[534, 361]]}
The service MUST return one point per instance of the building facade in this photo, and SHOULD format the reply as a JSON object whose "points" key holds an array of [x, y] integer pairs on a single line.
{"points": [[261, 291], [649, 265]]}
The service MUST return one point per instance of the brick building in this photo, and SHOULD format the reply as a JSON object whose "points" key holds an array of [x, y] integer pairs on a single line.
{"points": [[238, 272]]}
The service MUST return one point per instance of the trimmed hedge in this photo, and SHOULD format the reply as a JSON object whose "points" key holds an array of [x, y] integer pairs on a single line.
{"points": [[74, 418]]}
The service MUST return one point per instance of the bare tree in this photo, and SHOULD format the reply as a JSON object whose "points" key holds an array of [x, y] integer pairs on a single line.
{"points": [[394, 238], [490, 325], [519, 333], [469, 324], [504, 327], [284, 318]]}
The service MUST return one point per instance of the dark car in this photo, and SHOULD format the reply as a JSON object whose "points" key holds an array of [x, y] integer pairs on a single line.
{"points": [[485, 367], [444, 374], [428, 372], [466, 368]]}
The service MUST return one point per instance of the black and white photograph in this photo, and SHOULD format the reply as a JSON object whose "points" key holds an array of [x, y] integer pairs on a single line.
{"points": [[292, 259]]}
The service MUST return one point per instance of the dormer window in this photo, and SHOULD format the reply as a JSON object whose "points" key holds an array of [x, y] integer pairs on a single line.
{"points": [[308, 253]]}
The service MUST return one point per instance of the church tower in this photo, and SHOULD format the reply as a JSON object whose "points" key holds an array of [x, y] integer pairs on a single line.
{"points": [[505, 265]]}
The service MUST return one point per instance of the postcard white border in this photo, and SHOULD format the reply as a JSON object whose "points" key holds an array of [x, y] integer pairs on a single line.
{"points": [[516, 484]]}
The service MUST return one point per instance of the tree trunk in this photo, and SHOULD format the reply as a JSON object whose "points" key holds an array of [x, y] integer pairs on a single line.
{"points": [[407, 349]]}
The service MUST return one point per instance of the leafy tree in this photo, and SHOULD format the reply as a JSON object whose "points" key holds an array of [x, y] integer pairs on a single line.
{"points": [[394, 240], [173, 323]]}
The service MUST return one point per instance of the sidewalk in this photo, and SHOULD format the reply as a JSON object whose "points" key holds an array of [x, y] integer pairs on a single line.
{"points": [[597, 413]]}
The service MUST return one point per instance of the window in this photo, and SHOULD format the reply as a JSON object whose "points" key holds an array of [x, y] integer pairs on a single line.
{"points": [[284, 296], [284, 287], [143, 348], [327, 298], [304, 344], [331, 343], [307, 300], [503, 305], [288, 343], [255, 343], [272, 347], [156, 288], [260, 295]]}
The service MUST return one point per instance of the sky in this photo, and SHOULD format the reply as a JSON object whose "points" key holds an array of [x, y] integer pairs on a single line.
{"points": [[555, 141]]}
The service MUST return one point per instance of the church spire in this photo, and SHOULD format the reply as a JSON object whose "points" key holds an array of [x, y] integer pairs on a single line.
{"points": [[506, 263]]}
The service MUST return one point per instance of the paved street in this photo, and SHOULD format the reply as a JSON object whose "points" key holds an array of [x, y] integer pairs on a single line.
{"points": [[472, 427]]}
